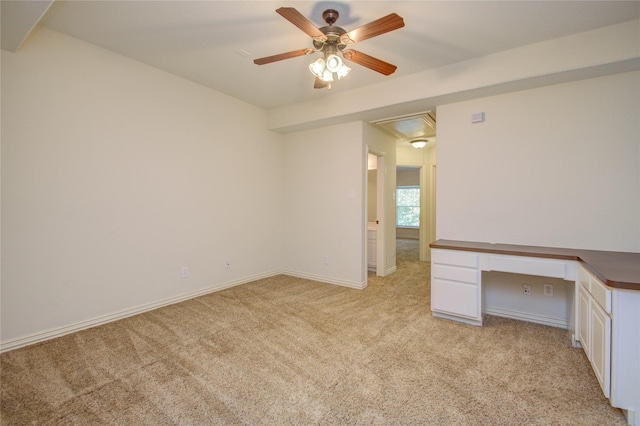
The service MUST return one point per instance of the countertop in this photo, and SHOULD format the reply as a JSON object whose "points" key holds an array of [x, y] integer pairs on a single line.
{"points": [[613, 268]]}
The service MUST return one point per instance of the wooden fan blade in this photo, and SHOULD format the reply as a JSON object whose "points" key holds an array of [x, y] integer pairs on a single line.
{"points": [[319, 84], [282, 56], [297, 19], [370, 62], [379, 26]]}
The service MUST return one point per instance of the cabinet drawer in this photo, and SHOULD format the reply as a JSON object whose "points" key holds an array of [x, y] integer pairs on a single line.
{"points": [[601, 294], [454, 273], [455, 298], [529, 266], [456, 258], [584, 278]]}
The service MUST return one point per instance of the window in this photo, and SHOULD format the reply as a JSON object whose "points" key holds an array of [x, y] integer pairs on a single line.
{"points": [[408, 206]]}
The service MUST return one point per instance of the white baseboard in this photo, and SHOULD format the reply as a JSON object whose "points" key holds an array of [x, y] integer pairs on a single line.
{"points": [[456, 318], [72, 328], [387, 272], [390, 270], [630, 416], [525, 316], [324, 279]]}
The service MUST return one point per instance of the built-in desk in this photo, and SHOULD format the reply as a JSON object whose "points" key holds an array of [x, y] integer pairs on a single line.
{"points": [[605, 303]]}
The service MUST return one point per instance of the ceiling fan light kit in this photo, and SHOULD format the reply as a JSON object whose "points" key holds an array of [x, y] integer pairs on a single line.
{"points": [[324, 70], [331, 41]]}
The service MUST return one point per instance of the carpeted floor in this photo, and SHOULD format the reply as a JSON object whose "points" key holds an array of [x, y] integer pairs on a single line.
{"points": [[285, 350]]}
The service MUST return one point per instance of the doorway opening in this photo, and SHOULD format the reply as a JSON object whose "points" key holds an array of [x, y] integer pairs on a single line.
{"points": [[409, 129]]}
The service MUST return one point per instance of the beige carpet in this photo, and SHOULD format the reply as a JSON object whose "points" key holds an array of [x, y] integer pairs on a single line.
{"points": [[285, 350]]}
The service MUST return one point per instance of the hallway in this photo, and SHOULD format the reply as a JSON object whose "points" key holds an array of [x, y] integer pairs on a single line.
{"points": [[407, 250]]}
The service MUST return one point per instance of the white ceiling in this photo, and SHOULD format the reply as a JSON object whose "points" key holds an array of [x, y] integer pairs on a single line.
{"points": [[204, 41]]}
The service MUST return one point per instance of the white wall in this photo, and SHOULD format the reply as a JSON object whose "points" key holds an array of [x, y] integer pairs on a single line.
{"points": [[324, 211], [555, 166], [408, 177], [323, 204], [114, 176]]}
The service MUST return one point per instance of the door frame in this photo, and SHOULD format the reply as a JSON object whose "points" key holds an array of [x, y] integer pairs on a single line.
{"points": [[380, 213]]}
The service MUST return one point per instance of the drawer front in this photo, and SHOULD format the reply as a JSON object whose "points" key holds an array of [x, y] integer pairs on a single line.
{"points": [[584, 278], [454, 273], [456, 258], [601, 294], [455, 298], [528, 266]]}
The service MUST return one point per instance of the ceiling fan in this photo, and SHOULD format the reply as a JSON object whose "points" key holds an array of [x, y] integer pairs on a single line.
{"points": [[331, 41]]}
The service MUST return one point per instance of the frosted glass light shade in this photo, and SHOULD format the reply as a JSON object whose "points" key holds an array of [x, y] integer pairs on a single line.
{"points": [[327, 76], [317, 68], [334, 63], [343, 71]]}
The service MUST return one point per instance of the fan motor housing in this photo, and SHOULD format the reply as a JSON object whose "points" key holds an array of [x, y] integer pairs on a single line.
{"points": [[333, 37]]}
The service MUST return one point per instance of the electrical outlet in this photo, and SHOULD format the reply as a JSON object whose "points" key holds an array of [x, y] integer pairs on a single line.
{"points": [[548, 290], [325, 259], [184, 272], [227, 264], [526, 289]]}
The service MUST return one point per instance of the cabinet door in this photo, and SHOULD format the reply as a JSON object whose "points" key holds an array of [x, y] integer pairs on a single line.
{"points": [[600, 340], [455, 298], [584, 308], [372, 253]]}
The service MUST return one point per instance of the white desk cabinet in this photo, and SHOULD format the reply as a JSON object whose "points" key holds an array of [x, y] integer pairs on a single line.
{"points": [[608, 328], [455, 286], [594, 326], [605, 308]]}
